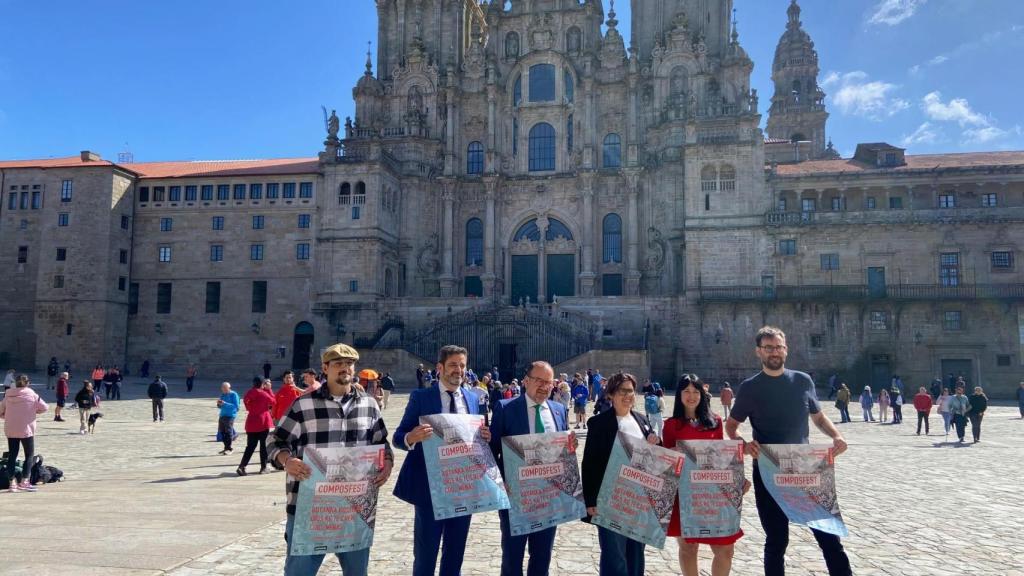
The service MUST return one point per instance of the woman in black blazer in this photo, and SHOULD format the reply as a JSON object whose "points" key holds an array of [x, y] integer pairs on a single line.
{"points": [[620, 556]]}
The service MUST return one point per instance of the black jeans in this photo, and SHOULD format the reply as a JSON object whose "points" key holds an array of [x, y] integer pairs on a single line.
{"points": [[13, 444], [776, 529], [975, 425], [189, 383], [922, 417], [158, 408], [251, 439], [960, 422], [225, 425], [897, 414]]}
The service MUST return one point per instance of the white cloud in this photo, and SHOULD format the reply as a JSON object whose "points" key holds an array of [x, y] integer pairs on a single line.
{"points": [[956, 110], [938, 60], [926, 133], [858, 96], [892, 12]]}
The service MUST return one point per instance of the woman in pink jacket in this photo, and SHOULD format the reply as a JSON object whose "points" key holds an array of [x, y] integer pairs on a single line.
{"points": [[19, 409]]}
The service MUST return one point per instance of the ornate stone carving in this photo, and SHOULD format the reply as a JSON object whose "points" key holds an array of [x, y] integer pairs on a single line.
{"points": [[541, 33], [656, 249], [427, 261], [524, 246], [560, 245]]}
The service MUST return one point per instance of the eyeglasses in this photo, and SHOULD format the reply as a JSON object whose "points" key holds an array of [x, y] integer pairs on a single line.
{"points": [[773, 349], [625, 393], [542, 382]]}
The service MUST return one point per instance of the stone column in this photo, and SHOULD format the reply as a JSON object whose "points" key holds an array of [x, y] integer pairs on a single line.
{"points": [[490, 223], [632, 177], [447, 278], [450, 123], [587, 275], [492, 127], [542, 264]]}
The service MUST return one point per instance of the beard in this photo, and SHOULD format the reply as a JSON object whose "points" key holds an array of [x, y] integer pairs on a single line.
{"points": [[343, 379], [773, 363]]}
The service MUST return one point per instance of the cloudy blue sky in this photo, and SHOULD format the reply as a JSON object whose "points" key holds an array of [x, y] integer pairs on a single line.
{"points": [[194, 79]]}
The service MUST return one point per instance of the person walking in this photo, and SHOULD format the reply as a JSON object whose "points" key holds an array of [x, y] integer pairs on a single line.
{"points": [[867, 402], [85, 400], [979, 404], [1020, 400], [338, 414], [726, 396], [531, 413], [923, 405], [266, 369], [97, 378], [115, 384], [778, 401], [420, 374], [228, 404], [843, 403], [387, 386], [654, 405], [157, 391], [936, 388], [884, 401], [288, 393], [19, 409], [959, 406], [62, 397], [51, 372], [580, 395], [692, 419], [190, 376], [9, 379], [897, 405], [942, 406], [259, 405], [620, 555]]}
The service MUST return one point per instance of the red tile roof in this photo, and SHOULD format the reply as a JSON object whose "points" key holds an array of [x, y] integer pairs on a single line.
{"points": [[915, 162], [66, 162], [224, 167]]}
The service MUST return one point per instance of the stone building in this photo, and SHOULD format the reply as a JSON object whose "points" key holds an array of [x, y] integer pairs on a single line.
{"points": [[516, 181]]}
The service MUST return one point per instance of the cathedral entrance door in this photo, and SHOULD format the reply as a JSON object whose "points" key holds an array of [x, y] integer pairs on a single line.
{"points": [[561, 275], [507, 358], [302, 344], [524, 278]]}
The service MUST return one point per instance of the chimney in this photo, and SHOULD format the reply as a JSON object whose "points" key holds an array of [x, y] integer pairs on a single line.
{"points": [[88, 156]]}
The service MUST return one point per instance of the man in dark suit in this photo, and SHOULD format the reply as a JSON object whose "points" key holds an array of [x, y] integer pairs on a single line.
{"points": [[529, 413], [446, 396]]}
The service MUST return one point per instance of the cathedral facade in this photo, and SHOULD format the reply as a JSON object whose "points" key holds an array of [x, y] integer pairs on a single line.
{"points": [[515, 180]]}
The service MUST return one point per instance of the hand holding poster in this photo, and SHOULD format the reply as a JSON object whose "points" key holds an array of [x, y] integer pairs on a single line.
{"points": [[337, 505], [710, 488], [543, 479], [638, 490], [802, 479], [461, 471]]}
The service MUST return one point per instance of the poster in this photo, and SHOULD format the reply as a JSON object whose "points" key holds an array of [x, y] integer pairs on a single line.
{"points": [[638, 490], [710, 488], [544, 483], [802, 479], [337, 506], [461, 471]]}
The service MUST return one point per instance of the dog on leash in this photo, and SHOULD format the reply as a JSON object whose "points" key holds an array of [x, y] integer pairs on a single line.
{"points": [[92, 421]]}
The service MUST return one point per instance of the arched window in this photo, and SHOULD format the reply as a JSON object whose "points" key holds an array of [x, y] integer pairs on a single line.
{"points": [[389, 283], [515, 136], [727, 178], [475, 158], [528, 231], [512, 45], [542, 147], [345, 194], [542, 83], [796, 87], [612, 151], [573, 40], [568, 134], [680, 81], [474, 242], [517, 91], [611, 238], [708, 179], [557, 229], [570, 92], [360, 195]]}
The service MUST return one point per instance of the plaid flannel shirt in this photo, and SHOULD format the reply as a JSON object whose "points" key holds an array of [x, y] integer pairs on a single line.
{"points": [[316, 419]]}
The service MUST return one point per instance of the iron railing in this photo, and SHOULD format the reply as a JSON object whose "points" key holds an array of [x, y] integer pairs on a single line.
{"points": [[782, 293]]}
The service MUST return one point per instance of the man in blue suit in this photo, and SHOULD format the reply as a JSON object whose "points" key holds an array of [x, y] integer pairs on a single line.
{"points": [[446, 396], [529, 413]]}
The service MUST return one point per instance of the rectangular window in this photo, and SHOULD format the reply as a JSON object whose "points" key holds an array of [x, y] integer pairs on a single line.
{"points": [[158, 193], [259, 296], [951, 320], [62, 254], [817, 341], [306, 190], [1002, 261], [1003, 360], [223, 192], [68, 329], [302, 251], [947, 201], [166, 224], [255, 191], [121, 283], [830, 261], [787, 247], [257, 222], [896, 203], [217, 222], [272, 190], [163, 298], [611, 284], [213, 297], [808, 205], [206, 192], [58, 281], [144, 194], [289, 190], [879, 320], [989, 200], [356, 212], [165, 254], [37, 200], [63, 219], [869, 202], [353, 285], [781, 205], [12, 201], [190, 193], [65, 191], [24, 201], [304, 220], [256, 252], [22, 254], [122, 256], [838, 204], [133, 298], [239, 192], [949, 269], [174, 194], [216, 253], [125, 222]]}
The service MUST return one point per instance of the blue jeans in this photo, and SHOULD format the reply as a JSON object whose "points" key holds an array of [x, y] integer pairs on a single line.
{"points": [[513, 550], [355, 563], [620, 556], [428, 535]]}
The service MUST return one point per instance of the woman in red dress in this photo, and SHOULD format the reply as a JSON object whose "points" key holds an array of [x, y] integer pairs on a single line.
{"points": [[692, 420]]}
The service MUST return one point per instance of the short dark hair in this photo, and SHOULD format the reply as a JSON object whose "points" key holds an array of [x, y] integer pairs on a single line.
{"points": [[309, 371], [769, 332], [616, 381], [450, 350], [287, 372], [538, 364]]}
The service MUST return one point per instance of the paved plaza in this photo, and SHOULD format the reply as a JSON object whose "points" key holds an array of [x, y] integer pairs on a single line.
{"points": [[155, 498]]}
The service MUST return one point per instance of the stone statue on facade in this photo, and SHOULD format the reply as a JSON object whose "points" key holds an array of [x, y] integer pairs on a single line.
{"points": [[426, 259], [656, 248], [333, 126]]}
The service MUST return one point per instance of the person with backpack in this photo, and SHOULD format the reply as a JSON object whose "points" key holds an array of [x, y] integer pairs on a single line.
{"points": [[51, 372], [387, 386], [85, 400], [654, 405], [18, 410], [157, 391], [580, 395]]}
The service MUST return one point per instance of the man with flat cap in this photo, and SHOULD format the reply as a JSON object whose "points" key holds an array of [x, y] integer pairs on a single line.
{"points": [[337, 414]]}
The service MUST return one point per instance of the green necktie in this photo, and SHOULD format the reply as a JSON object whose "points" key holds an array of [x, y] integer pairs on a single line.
{"points": [[538, 423]]}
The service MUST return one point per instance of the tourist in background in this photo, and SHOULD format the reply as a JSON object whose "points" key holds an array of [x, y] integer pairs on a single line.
{"points": [[843, 403], [286, 395], [726, 396], [18, 410], [51, 372], [942, 405], [387, 386], [979, 404], [228, 404], [85, 400], [1020, 400], [883, 406], [63, 391], [867, 403], [654, 405], [190, 376], [923, 405], [157, 392], [580, 395], [959, 406], [259, 403], [897, 405]]}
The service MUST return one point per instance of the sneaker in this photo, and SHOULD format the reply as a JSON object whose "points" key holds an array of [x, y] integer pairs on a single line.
{"points": [[81, 431], [13, 488], [240, 471], [222, 452], [26, 487]]}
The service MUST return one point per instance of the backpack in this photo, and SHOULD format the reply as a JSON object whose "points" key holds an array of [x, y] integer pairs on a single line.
{"points": [[651, 404], [56, 474], [38, 473]]}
